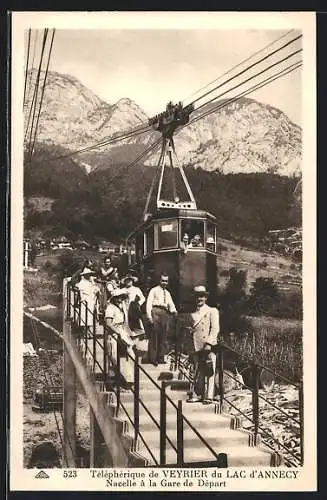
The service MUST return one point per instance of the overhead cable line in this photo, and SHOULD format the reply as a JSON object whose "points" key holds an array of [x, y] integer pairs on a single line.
{"points": [[27, 63], [36, 89], [31, 70], [42, 93], [255, 87], [248, 68], [37, 86], [134, 133], [239, 64], [106, 141], [251, 78], [150, 149]]}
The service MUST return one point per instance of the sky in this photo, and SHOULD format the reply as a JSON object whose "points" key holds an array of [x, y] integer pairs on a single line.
{"points": [[153, 67]]}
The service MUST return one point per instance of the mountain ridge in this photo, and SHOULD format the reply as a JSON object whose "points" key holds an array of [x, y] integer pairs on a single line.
{"points": [[245, 136]]}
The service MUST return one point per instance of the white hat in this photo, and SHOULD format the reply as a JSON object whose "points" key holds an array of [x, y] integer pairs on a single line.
{"points": [[210, 239], [87, 271], [118, 292], [200, 290]]}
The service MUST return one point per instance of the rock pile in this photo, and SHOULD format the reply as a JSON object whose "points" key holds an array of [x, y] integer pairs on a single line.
{"points": [[278, 426]]}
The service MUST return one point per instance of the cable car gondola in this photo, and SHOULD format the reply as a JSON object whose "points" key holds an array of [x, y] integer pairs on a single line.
{"points": [[175, 237]]}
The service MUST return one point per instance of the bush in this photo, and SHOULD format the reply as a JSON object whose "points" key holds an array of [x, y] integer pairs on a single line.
{"points": [[232, 303], [266, 300], [48, 266]]}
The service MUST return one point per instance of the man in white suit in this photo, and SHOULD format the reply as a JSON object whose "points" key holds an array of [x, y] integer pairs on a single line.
{"points": [[205, 330]]}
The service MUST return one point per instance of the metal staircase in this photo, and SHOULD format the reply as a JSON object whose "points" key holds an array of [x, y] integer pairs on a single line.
{"points": [[207, 436]]}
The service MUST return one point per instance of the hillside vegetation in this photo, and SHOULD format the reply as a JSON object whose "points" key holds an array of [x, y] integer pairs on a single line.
{"points": [[109, 202]]}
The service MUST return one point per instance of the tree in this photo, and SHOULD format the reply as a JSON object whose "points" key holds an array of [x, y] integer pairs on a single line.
{"points": [[233, 303], [264, 296]]}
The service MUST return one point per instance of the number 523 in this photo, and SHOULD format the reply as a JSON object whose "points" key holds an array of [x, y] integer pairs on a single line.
{"points": [[70, 473]]}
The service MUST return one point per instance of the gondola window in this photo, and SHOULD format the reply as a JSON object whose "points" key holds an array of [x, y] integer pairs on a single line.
{"points": [[167, 234]]}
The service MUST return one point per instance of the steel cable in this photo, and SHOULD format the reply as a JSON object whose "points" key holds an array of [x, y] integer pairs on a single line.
{"points": [[239, 64], [42, 92]]}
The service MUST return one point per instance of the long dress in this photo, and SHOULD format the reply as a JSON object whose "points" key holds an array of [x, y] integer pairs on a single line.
{"points": [[88, 294], [117, 318], [134, 301]]}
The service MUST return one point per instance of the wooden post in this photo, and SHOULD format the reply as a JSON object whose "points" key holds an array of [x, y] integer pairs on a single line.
{"points": [[99, 453], [69, 382]]}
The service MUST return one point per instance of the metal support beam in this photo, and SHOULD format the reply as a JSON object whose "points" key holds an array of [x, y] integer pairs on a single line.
{"points": [[69, 382], [99, 454]]}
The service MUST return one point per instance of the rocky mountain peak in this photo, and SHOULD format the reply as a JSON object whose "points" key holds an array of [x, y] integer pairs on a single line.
{"points": [[244, 136]]}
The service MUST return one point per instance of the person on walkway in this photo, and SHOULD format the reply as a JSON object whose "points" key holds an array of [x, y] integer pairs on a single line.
{"points": [[205, 330], [134, 301], [108, 282], [89, 296], [76, 277], [116, 317], [160, 308], [107, 269]]}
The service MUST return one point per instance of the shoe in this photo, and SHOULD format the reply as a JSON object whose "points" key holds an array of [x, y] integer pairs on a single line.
{"points": [[207, 401]]}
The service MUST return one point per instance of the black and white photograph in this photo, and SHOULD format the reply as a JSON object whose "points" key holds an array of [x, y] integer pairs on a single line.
{"points": [[163, 277]]}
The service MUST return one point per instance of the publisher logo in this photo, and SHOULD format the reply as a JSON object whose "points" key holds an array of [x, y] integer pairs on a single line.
{"points": [[42, 475]]}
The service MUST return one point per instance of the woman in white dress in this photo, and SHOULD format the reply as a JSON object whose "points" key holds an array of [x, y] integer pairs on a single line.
{"points": [[116, 317]]}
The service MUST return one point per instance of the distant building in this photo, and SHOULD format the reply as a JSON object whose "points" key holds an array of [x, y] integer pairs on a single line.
{"points": [[106, 247]]}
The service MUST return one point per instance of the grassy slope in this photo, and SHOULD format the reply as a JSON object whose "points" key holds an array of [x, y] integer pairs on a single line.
{"points": [[284, 271]]}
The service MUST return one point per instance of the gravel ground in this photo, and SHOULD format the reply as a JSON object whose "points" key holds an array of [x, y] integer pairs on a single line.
{"points": [[279, 425]]}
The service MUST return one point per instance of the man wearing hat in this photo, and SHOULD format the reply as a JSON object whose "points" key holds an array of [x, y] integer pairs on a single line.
{"points": [[116, 317], [205, 331], [77, 275]]}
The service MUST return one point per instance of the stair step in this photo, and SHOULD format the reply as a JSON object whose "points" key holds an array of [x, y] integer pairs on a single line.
{"points": [[213, 427], [237, 456], [200, 420], [216, 437]]}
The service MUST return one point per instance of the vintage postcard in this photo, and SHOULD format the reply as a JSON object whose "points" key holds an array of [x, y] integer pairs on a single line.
{"points": [[163, 307]]}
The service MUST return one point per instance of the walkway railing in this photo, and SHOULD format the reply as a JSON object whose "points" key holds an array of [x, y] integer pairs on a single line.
{"points": [[255, 368], [291, 457], [89, 333]]}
